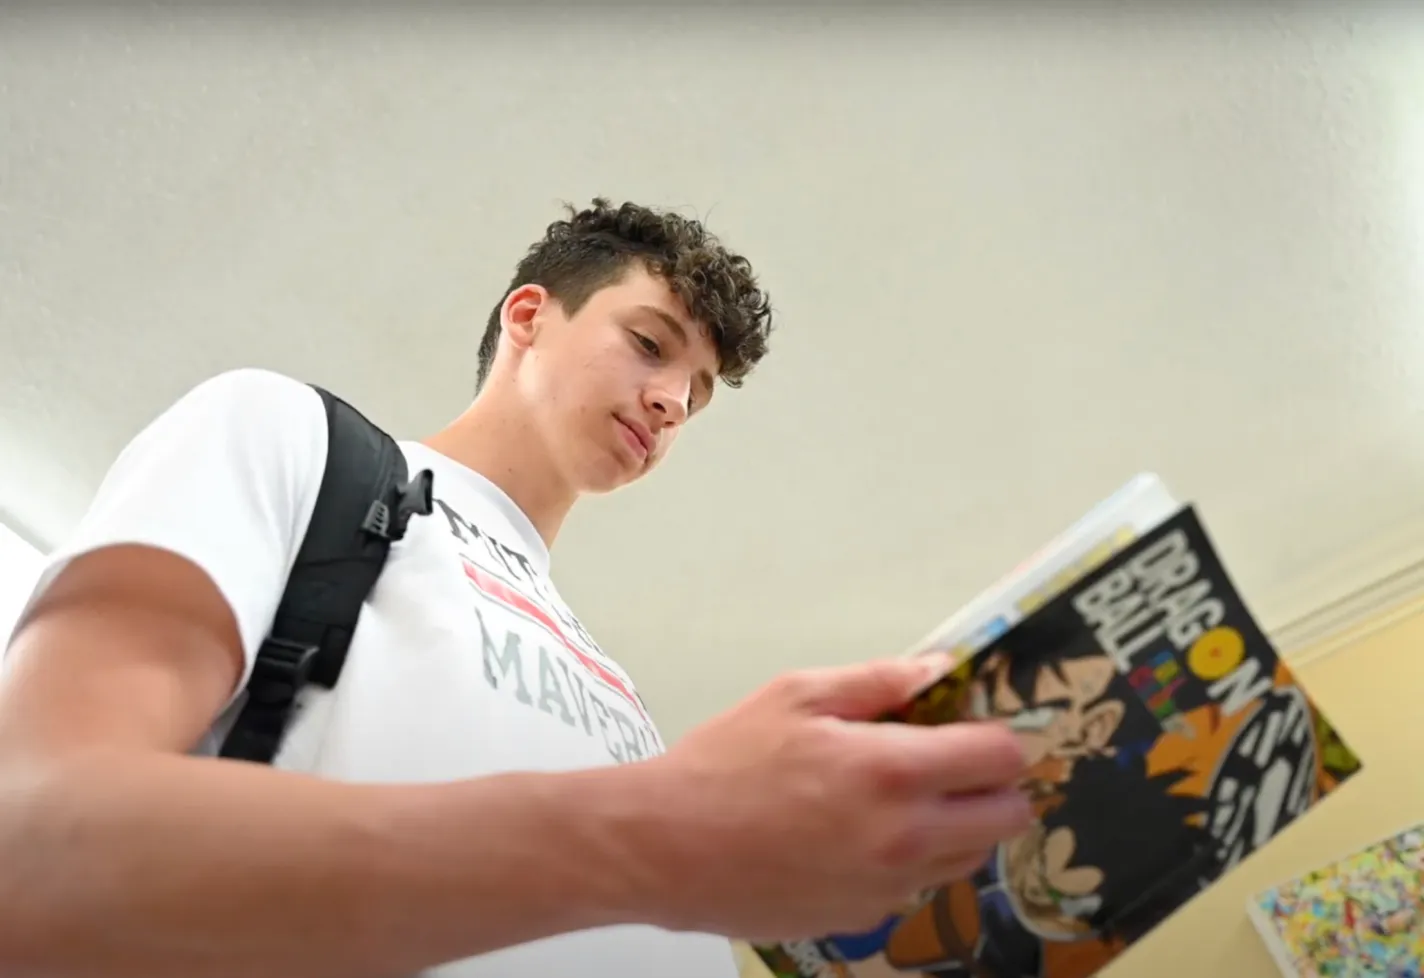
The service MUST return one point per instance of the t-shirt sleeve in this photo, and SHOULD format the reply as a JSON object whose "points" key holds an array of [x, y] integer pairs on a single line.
{"points": [[227, 478]]}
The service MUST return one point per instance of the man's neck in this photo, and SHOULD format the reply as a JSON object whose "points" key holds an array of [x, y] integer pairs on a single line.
{"points": [[500, 445]]}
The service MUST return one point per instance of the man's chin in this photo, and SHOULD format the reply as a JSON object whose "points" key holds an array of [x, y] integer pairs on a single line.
{"points": [[602, 487], [610, 479]]}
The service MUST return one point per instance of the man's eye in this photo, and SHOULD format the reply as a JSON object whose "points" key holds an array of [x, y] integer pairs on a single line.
{"points": [[647, 344]]}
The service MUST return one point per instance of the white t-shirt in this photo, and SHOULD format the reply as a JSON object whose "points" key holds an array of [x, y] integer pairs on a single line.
{"points": [[466, 661]]}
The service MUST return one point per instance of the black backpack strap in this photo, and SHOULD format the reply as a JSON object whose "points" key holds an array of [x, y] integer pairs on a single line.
{"points": [[362, 507]]}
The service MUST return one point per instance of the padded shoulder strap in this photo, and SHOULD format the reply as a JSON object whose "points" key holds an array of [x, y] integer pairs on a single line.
{"points": [[362, 507]]}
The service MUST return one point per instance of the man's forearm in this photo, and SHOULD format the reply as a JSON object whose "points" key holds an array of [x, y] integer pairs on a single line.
{"points": [[155, 866]]}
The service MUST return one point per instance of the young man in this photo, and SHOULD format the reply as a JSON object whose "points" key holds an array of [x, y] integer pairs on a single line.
{"points": [[483, 793]]}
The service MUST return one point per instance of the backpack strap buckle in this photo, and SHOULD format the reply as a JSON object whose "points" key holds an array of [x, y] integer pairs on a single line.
{"points": [[281, 669], [413, 498]]}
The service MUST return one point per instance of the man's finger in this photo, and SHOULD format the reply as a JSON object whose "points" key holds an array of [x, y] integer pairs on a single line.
{"points": [[966, 826], [967, 757], [868, 690], [957, 867]]}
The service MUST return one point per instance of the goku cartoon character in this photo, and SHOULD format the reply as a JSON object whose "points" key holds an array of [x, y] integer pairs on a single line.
{"points": [[1063, 696]]}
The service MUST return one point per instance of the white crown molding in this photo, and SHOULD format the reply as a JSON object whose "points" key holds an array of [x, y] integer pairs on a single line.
{"points": [[1356, 614]]}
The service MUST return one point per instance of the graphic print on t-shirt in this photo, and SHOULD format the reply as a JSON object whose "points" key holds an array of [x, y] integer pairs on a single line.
{"points": [[554, 666]]}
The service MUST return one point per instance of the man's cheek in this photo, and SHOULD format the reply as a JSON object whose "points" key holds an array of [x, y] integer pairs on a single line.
{"points": [[665, 444]]}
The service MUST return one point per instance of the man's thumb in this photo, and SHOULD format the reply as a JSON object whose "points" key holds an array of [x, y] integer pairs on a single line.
{"points": [[869, 690]]}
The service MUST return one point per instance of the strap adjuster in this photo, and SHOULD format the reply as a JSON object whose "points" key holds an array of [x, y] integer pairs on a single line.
{"points": [[413, 498], [417, 497], [281, 669]]}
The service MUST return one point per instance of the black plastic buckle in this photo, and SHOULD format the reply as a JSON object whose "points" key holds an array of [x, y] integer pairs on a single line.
{"points": [[280, 671], [414, 498], [417, 497]]}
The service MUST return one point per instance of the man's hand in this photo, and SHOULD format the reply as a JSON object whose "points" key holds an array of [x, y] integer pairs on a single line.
{"points": [[794, 814]]}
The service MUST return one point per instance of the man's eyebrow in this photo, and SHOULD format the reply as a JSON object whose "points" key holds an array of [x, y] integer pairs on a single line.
{"points": [[668, 319]]}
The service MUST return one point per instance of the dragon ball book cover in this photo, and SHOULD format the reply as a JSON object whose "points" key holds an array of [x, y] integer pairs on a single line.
{"points": [[1166, 741]]}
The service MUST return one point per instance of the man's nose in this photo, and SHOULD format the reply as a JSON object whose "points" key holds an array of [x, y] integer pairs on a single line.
{"points": [[668, 406]]}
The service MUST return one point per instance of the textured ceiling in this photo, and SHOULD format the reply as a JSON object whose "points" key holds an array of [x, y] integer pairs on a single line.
{"points": [[1018, 258]]}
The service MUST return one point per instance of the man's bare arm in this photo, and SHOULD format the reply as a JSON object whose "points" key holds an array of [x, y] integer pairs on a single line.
{"points": [[123, 857], [785, 816]]}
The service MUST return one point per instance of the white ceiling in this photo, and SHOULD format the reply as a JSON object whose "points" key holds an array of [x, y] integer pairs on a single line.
{"points": [[1018, 258]]}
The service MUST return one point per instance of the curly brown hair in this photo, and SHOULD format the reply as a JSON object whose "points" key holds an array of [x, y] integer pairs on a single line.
{"points": [[593, 248]]}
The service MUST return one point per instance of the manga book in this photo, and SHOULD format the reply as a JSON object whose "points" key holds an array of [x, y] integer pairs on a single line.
{"points": [[1139, 505], [1358, 917], [1166, 739]]}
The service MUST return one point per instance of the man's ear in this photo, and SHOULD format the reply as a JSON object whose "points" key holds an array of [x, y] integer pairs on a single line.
{"points": [[519, 315]]}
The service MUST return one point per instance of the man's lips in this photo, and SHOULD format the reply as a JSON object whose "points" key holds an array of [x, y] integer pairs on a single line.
{"points": [[639, 438]]}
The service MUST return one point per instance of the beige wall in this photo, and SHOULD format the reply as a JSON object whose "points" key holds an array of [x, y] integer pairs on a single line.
{"points": [[1372, 688]]}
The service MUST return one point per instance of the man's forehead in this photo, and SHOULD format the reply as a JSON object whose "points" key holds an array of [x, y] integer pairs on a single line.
{"points": [[640, 286]]}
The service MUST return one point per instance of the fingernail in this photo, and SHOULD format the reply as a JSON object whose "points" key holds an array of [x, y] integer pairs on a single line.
{"points": [[937, 664], [1020, 751]]}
